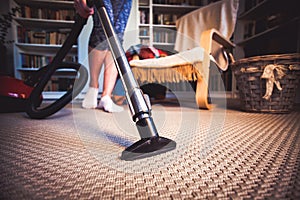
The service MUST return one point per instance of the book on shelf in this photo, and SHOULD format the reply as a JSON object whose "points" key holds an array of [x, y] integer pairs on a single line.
{"points": [[144, 16], [38, 61], [34, 61], [164, 36], [143, 2], [46, 13], [59, 84], [31, 59], [165, 19], [41, 37], [144, 32]]}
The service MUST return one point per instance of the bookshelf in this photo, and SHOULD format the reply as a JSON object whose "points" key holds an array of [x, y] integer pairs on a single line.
{"points": [[40, 29], [157, 20], [267, 27]]}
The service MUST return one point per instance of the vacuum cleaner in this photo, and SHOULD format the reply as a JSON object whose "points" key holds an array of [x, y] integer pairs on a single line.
{"points": [[26, 96], [150, 143]]}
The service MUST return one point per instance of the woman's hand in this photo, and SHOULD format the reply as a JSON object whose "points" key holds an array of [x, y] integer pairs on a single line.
{"points": [[82, 9]]}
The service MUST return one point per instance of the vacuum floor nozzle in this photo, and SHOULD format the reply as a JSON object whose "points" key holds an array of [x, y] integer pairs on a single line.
{"points": [[147, 147]]}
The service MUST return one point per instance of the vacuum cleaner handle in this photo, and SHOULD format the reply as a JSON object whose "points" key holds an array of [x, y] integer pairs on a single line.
{"points": [[150, 143], [33, 109]]}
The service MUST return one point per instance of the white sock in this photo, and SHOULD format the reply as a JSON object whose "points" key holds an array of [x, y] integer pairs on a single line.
{"points": [[108, 105], [90, 99]]}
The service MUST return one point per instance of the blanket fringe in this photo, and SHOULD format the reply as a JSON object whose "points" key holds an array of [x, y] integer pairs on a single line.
{"points": [[175, 74]]}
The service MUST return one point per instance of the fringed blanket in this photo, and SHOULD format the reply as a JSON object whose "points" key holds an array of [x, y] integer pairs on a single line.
{"points": [[186, 65]]}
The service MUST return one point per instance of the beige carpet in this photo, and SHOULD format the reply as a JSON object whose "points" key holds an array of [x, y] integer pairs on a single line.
{"points": [[221, 154]]}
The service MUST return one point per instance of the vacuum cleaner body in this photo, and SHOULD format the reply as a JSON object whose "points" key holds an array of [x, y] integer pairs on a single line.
{"points": [[14, 94], [26, 96]]}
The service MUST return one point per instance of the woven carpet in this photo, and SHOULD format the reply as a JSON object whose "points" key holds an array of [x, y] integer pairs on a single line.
{"points": [[221, 154]]}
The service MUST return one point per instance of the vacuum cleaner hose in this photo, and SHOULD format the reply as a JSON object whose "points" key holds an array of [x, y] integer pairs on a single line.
{"points": [[36, 112]]}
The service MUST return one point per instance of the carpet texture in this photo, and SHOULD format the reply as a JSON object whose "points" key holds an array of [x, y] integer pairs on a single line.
{"points": [[221, 154]]}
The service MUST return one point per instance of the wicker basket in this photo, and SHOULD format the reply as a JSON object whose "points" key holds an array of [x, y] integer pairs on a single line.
{"points": [[274, 93]]}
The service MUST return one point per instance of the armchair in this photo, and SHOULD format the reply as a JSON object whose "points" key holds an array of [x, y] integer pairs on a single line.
{"points": [[216, 25]]}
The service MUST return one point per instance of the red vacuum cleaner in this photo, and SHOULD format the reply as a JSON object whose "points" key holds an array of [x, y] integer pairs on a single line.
{"points": [[14, 94], [150, 143], [26, 96]]}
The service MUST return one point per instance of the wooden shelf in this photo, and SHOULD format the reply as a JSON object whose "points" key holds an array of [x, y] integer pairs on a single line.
{"points": [[264, 8], [163, 44], [174, 6], [63, 71], [162, 26], [44, 24], [255, 11], [180, 9], [144, 36], [268, 31], [144, 25], [42, 49], [47, 4]]}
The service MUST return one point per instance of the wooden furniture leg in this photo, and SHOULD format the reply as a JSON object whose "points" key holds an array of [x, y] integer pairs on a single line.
{"points": [[213, 43]]}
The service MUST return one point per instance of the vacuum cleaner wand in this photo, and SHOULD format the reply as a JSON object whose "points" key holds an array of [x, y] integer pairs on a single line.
{"points": [[151, 143]]}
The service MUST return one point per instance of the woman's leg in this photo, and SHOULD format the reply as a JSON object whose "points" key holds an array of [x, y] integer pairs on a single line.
{"points": [[110, 77], [96, 60]]}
